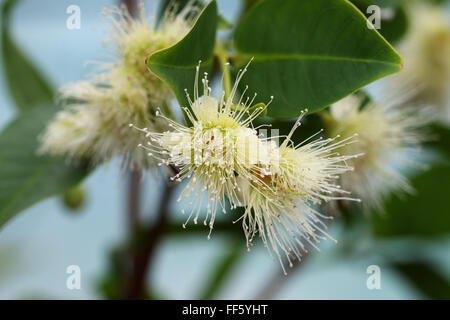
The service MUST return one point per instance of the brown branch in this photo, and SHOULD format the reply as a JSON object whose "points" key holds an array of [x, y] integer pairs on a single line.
{"points": [[143, 255], [131, 6], [134, 199]]}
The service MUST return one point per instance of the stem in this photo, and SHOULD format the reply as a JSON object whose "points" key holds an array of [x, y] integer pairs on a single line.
{"points": [[142, 258], [222, 56], [134, 199], [131, 6]]}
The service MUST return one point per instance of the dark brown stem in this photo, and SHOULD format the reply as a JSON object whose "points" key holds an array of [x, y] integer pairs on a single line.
{"points": [[131, 6], [143, 254], [134, 199]]}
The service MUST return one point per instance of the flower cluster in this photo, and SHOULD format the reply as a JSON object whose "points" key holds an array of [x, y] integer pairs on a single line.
{"points": [[226, 161], [94, 123]]}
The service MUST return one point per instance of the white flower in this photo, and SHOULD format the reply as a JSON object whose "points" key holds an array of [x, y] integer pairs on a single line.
{"points": [[390, 134], [72, 132], [125, 92], [426, 55], [223, 159], [218, 147], [280, 201]]}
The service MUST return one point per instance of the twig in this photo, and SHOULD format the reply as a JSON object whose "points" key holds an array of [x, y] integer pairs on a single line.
{"points": [[134, 199], [143, 256], [131, 6]]}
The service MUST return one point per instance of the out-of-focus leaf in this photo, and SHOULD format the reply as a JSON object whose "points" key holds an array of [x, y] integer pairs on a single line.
{"points": [[426, 213], [112, 284], [27, 86], [224, 266], [432, 284], [437, 2], [394, 20], [222, 23], [309, 54], [176, 65], [25, 177], [247, 4], [441, 139]]}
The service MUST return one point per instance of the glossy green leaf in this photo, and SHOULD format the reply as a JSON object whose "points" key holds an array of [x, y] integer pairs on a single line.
{"points": [[25, 177], [27, 86], [309, 54], [176, 65]]}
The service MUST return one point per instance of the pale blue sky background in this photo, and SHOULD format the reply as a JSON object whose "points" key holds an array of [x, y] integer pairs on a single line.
{"points": [[37, 246]]}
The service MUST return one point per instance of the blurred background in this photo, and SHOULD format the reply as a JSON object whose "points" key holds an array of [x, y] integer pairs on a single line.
{"points": [[411, 247]]}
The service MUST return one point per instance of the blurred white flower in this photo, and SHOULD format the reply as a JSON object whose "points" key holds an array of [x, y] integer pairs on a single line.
{"points": [[124, 92], [426, 55], [390, 136], [72, 132]]}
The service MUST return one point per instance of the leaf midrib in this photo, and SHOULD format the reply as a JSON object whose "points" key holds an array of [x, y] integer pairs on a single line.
{"points": [[176, 66], [304, 57]]}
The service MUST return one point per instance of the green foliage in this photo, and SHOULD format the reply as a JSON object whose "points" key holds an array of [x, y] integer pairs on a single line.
{"points": [[428, 281], [309, 54], [441, 140], [27, 86], [421, 214], [424, 212], [25, 177], [222, 23], [224, 267], [176, 65]]}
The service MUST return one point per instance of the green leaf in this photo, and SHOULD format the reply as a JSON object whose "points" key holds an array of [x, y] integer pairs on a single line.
{"points": [[222, 23], [309, 54], [176, 65], [427, 280], [27, 86], [423, 214], [25, 177], [392, 27], [224, 266], [441, 139]]}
